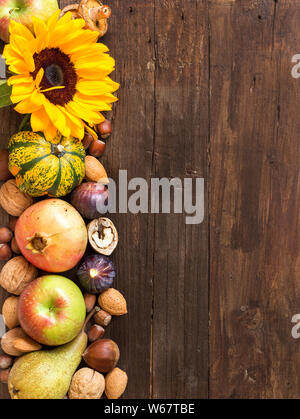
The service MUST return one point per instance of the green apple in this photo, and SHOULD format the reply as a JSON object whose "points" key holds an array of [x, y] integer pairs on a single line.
{"points": [[52, 310], [22, 11]]}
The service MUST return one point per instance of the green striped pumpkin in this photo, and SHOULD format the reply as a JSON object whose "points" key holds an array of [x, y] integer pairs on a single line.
{"points": [[41, 167]]}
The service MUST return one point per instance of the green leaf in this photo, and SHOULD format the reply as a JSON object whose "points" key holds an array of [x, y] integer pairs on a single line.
{"points": [[5, 92]]}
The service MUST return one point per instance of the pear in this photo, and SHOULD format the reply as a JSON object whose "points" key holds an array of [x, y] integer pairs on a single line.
{"points": [[46, 374]]}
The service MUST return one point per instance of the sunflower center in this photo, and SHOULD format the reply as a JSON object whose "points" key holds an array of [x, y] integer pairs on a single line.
{"points": [[58, 71], [54, 75]]}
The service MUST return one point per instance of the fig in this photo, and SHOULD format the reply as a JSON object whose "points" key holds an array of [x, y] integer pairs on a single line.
{"points": [[90, 199], [96, 273]]}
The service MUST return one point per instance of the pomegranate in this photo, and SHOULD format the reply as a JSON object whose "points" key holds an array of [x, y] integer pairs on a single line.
{"points": [[52, 235]]}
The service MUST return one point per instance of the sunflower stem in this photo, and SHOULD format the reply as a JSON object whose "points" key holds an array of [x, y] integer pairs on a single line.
{"points": [[24, 122]]}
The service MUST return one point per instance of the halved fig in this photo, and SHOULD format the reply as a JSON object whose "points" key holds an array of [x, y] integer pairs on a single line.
{"points": [[103, 235]]}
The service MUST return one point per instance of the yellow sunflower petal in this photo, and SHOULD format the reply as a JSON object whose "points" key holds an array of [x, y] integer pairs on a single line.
{"points": [[26, 106], [91, 131], [40, 30], [57, 118], [18, 68], [89, 53], [50, 132], [91, 103], [52, 21], [94, 88], [67, 17], [18, 43], [39, 120], [38, 98], [83, 112], [23, 89], [18, 29], [39, 77], [59, 37], [80, 42], [76, 125], [20, 78]]}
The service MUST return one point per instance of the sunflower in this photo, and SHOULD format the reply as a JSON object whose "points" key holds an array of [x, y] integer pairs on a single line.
{"points": [[61, 75]]}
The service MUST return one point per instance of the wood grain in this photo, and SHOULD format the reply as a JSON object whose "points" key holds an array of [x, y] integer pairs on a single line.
{"points": [[180, 295], [254, 200]]}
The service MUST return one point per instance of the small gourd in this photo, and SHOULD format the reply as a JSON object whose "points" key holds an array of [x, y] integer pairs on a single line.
{"points": [[45, 168]]}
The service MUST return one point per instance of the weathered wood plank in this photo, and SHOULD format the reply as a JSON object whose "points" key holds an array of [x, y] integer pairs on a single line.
{"points": [[131, 40], [254, 199], [180, 277]]}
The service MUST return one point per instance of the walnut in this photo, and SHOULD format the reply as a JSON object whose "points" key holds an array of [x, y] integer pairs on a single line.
{"points": [[12, 200], [103, 235], [87, 384], [16, 275]]}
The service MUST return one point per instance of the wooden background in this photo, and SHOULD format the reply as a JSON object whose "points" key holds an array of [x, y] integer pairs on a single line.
{"points": [[206, 91]]}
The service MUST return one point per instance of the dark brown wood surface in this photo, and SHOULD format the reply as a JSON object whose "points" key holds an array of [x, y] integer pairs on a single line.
{"points": [[207, 91]]}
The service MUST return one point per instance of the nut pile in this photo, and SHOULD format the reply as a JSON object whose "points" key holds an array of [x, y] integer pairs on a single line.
{"points": [[95, 275]]}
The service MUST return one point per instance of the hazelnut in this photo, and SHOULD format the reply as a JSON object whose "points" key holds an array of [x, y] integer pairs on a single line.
{"points": [[97, 148], [4, 374], [113, 302], [10, 312], [115, 383], [4, 171], [12, 222], [104, 129], [86, 384], [102, 318], [96, 332], [103, 235], [87, 139], [90, 301], [14, 246], [5, 252], [102, 355], [6, 361], [16, 275], [5, 235]]}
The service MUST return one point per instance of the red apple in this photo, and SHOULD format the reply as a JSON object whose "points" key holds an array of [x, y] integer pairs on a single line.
{"points": [[52, 310], [22, 11], [52, 235]]}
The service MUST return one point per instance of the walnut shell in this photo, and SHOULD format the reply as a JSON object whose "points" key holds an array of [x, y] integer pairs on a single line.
{"points": [[87, 384], [103, 235], [115, 383], [10, 312], [8, 341], [12, 200], [113, 302], [16, 275]]}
